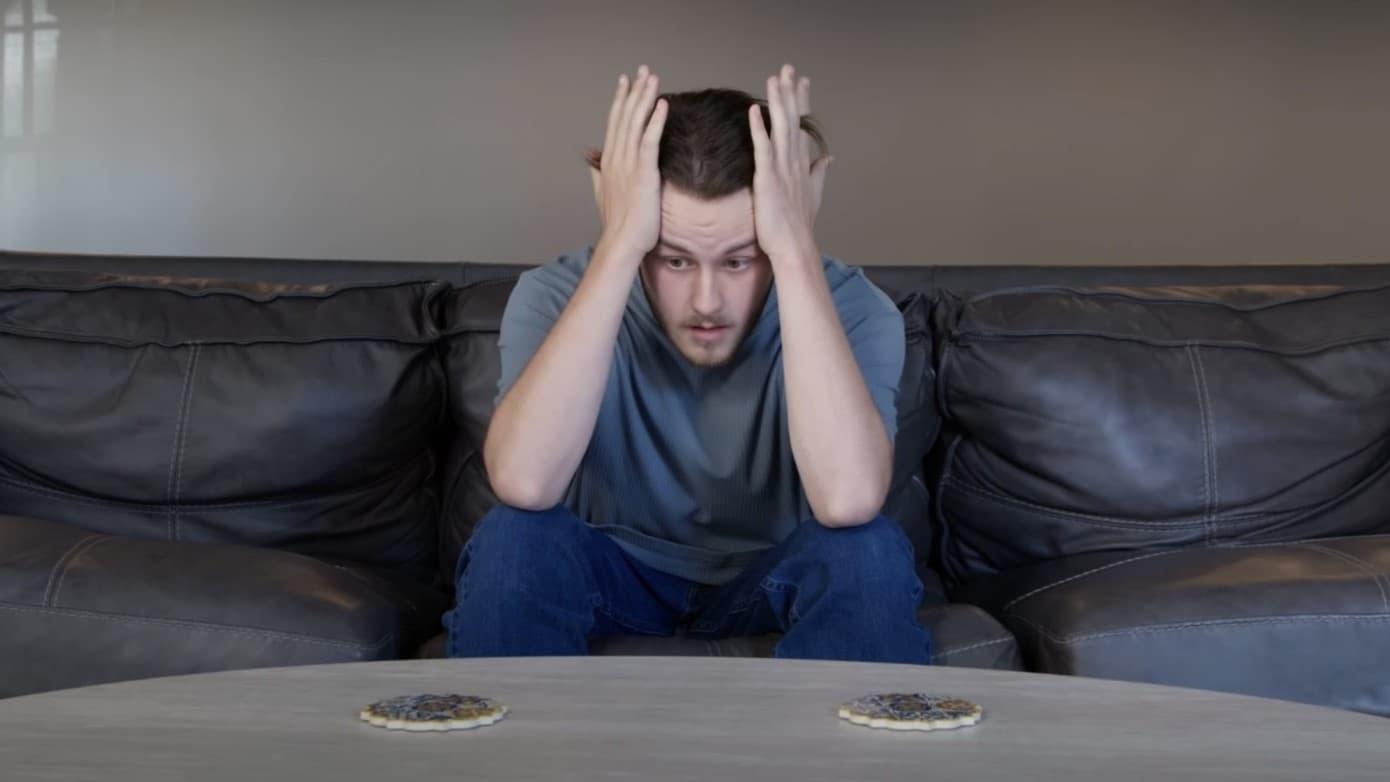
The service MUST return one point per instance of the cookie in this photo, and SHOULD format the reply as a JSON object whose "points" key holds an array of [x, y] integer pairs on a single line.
{"points": [[433, 712], [911, 711]]}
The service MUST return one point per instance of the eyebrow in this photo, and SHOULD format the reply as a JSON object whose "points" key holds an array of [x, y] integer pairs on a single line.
{"points": [[687, 251]]}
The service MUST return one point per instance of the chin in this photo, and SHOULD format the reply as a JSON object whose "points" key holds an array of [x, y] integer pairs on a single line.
{"points": [[707, 360]]}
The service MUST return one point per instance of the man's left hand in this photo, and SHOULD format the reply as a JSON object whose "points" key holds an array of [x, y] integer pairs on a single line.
{"points": [[787, 183]]}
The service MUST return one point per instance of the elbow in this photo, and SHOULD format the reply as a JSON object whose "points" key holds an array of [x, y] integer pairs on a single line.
{"points": [[849, 509], [852, 499], [521, 491], [519, 488]]}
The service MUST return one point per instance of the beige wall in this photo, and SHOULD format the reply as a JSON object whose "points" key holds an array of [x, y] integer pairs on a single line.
{"points": [[964, 132]]}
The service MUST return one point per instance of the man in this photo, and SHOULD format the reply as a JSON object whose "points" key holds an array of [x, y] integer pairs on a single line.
{"points": [[695, 418]]}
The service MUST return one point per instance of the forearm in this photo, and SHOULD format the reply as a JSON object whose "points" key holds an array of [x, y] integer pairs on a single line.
{"points": [[542, 426], [842, 452]]}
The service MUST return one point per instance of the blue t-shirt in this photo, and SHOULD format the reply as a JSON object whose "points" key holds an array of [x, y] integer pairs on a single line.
{"points": [[690, 468]]}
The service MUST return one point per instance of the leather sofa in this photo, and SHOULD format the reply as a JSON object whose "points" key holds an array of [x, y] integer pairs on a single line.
{"points": [[1167, 474]]}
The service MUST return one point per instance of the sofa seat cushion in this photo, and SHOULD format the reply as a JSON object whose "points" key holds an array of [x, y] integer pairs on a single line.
{"points": [[1110, 419], [963, 635], [1306, 621], [299, 417], [79, 608]]}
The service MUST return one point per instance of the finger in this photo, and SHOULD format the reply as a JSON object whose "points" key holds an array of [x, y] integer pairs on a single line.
{"points": [[796, 141], [641, 117], [762, 155], [779, 119], [651, 139], [803, 96], [614, 112], [620, 147]]}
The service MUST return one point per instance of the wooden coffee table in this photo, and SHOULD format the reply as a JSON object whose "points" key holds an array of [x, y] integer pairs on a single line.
{"points": [[667, 718]]}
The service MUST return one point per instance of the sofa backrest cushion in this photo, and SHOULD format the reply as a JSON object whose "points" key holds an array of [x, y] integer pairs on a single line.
{"points": [[300, 417], [472, 363], [1085, 420]]}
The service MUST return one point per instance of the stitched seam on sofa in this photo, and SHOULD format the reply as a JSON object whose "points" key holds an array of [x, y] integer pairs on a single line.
{"points": [[1007, 336], [87, 339], [1236, 544], [1359, 564], [60, 567], [942, 520], [1084, 574], [1229, 520], [1111, 293], [138, 507], [67, 568], [208, 626], [959, 649], [1208, 457], [1374, 445], [176, 457], [133, 507], [1203, 625], [1100, 521], [1290, 518], [172, 288], [1247, 518]]}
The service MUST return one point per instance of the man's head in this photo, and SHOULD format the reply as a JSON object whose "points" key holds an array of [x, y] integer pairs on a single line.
{"points": [[707, 269]]}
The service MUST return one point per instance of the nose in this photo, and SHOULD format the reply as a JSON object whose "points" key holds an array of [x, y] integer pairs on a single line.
{"points": [[708, 300]]}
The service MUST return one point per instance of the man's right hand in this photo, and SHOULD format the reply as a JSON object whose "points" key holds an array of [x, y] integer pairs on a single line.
{"points": [[542, 426], [627, 184]]}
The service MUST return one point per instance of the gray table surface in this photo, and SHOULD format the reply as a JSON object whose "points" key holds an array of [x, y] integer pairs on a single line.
{"points": [[666, 718]]}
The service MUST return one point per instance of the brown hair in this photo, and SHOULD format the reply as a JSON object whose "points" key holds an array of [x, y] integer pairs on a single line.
{"points": [[706, 145]]}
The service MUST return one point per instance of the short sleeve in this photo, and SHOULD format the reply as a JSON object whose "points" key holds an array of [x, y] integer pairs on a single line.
{"points": [[536, 302], [874, 328]]}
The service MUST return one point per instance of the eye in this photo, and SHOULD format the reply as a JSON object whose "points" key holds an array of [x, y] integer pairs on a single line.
{"points": [[676, 263], [737, 264]]}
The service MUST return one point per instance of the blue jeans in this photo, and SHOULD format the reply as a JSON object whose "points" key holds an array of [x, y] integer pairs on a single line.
{"points": [[546, 583]]}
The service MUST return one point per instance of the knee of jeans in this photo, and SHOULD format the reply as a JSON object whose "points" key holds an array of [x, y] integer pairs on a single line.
{"points": [[879, 548], [508, 543]]}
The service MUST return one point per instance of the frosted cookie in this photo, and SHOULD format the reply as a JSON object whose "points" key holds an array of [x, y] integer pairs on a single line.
{"points": [[433, 712], [911, 711]]}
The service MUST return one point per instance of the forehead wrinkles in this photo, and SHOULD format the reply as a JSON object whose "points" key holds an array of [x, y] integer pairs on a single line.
{"points": [[706, 234]]}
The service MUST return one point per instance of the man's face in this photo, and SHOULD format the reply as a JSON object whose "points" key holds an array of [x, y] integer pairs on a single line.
{"points": [[707, 279]]}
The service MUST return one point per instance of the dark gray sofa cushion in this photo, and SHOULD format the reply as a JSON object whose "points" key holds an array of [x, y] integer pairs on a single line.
{"points": [[1307, 621], [79, 608], [1094, 420], [299, 417]]}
